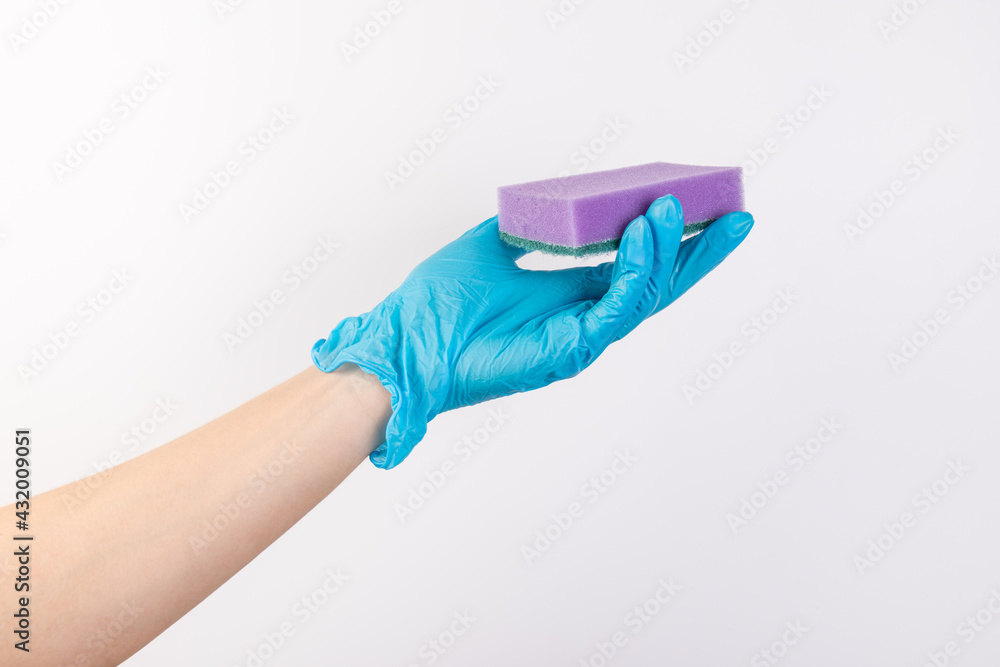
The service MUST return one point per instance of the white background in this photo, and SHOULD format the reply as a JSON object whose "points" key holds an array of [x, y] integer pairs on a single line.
{"points": [[855, 300]]}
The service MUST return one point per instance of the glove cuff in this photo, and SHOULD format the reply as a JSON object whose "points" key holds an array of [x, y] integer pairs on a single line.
{"points": [[354, 341]]}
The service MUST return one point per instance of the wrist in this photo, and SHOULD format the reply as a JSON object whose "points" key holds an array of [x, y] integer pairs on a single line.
{"points": [[367, 393], [383, 354]]}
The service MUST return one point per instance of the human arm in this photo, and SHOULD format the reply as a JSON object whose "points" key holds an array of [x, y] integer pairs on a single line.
{"points": [[136, 553]]}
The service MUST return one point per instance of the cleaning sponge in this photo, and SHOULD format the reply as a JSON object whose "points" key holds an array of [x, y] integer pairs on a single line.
{"points": [[587, 213]]}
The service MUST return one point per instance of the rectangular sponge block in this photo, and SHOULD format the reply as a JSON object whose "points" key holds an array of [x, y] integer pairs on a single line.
{"points": [[587, 213]]}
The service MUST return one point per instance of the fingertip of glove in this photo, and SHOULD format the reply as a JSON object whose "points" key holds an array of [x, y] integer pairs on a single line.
{"points": [[726, 233], [636, 245], [638, 233], [739, 224], [666, 211]]}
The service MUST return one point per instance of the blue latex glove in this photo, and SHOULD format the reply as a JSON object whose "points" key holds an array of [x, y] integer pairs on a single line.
{"points": [[468, 324]]}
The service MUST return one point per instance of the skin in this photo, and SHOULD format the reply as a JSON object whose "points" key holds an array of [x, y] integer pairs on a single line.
{"points": [[109, 543]]}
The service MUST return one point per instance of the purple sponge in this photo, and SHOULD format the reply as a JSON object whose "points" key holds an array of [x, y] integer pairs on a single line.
{"points": [[588, 213]]}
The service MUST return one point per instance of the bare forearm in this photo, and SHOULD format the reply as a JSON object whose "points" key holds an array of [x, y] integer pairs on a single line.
{"points": [[163, 531]]}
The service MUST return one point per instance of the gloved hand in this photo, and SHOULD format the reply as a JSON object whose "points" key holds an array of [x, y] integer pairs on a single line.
{"points": [[468, 324]]}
